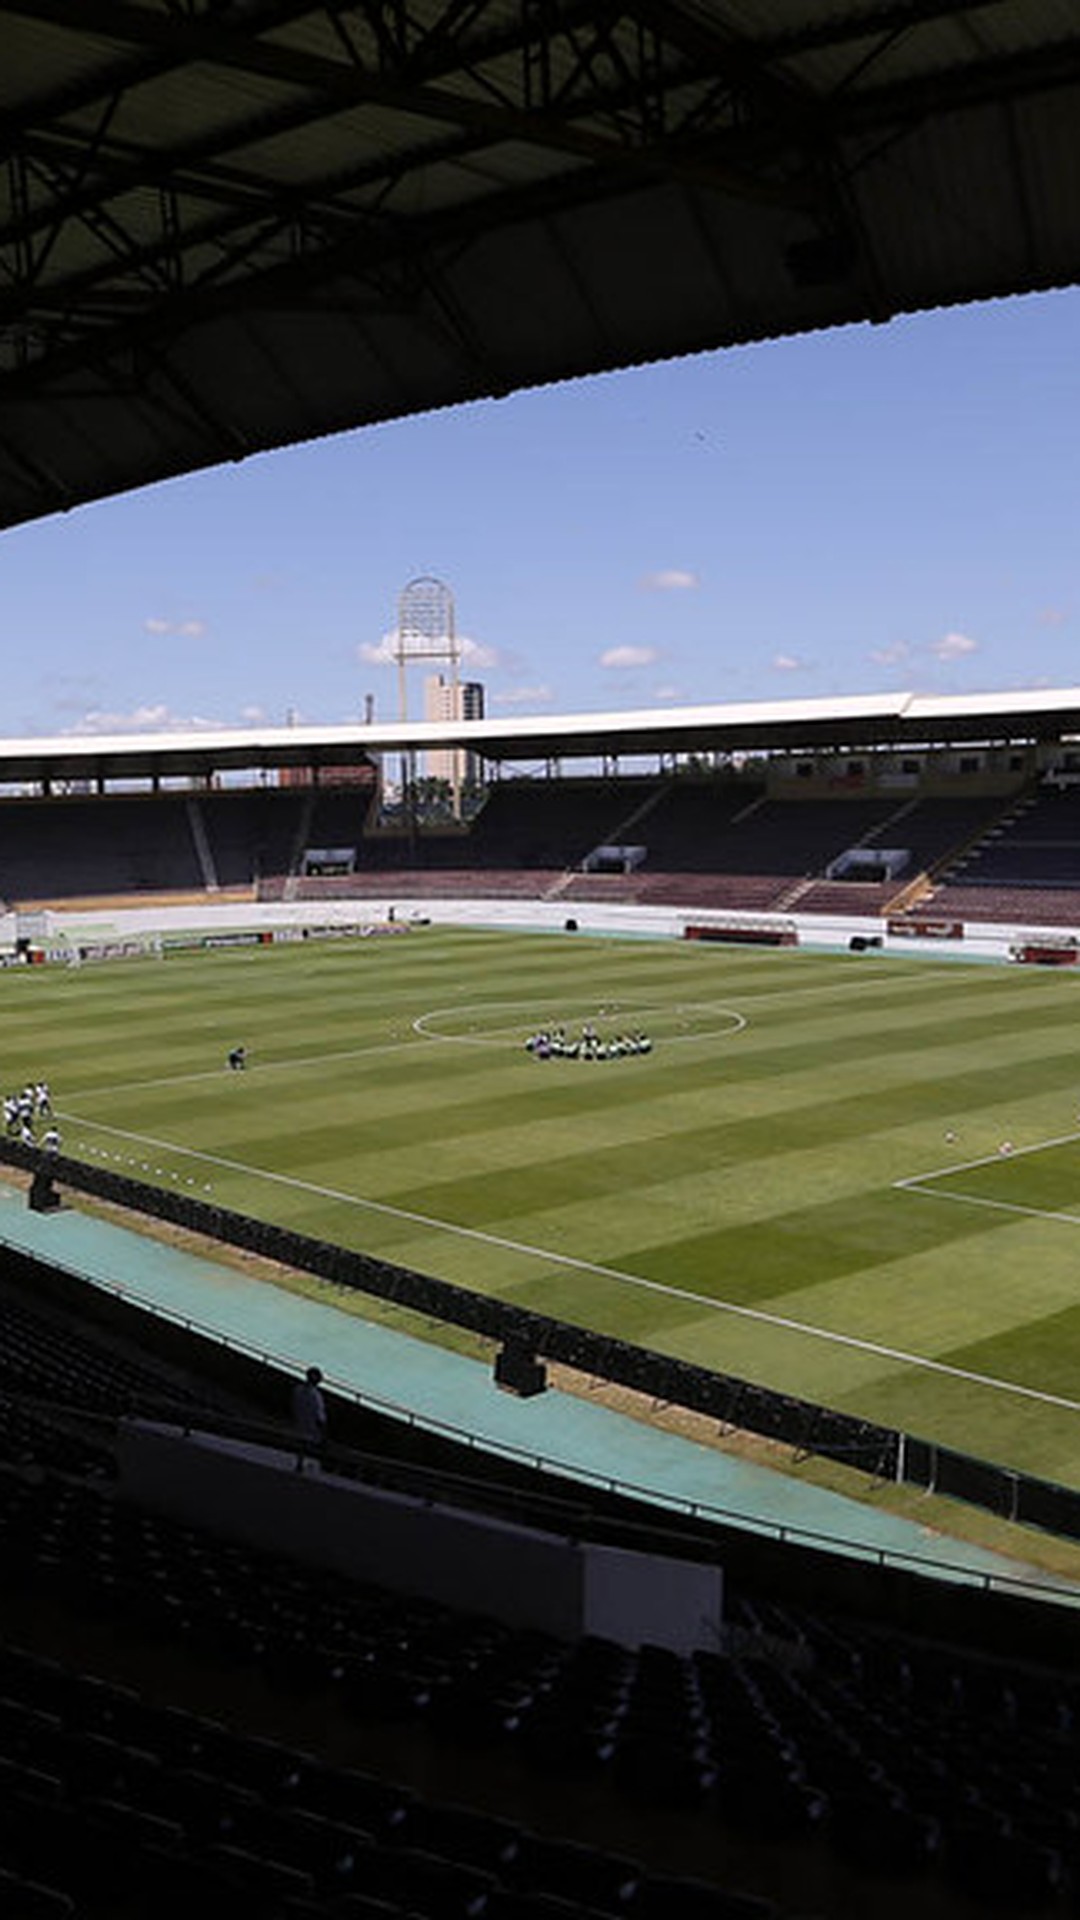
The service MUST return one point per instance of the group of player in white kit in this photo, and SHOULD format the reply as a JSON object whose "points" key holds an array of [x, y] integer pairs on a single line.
{"points": [[553, 1044], [25, 1111]]}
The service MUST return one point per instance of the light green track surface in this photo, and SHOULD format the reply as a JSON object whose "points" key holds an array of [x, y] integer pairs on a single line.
{"points": [[802, 1184]]}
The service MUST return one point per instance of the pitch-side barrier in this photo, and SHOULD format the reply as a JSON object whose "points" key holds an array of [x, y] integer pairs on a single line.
{"points": [[525, 1340]]}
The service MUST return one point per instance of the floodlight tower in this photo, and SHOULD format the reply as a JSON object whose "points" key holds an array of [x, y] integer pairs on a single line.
{"points": [[426, 630]]}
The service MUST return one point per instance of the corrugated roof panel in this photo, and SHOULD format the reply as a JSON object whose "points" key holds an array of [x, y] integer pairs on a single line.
{"points": [[189, 186], [346, 142], [178, 107], [39, 58], [327, 35], [1046, 144], [852, 46], [970, 204]]}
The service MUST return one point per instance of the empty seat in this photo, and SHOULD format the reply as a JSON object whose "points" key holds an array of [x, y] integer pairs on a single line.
{"points": [[29, 1900]]}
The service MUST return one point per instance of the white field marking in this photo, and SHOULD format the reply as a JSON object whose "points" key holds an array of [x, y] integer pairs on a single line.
{"points": [[628, 1010], [918, 1183], [578, 1265], [260, 1067], [306, 1061], [997, 1206]]}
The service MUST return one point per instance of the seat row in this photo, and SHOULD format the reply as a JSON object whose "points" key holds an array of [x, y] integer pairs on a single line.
{"points": [[934, 1781], [112, 1806]]}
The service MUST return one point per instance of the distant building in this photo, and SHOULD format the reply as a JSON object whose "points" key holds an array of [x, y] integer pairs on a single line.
{"points": [[445, 701]]}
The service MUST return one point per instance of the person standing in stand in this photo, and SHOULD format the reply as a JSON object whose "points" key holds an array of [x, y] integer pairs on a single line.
{"points": [[309, 1414]]}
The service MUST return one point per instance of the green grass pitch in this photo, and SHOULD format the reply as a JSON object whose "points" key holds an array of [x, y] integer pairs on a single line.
{"points": [[801, 1184]]}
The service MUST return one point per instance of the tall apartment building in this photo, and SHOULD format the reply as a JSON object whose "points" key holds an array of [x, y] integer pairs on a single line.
{"points": [[445, 701]]}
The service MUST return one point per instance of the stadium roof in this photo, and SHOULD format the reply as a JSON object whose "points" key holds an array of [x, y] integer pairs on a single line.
{"points": [[227, 225], [791, 726]]}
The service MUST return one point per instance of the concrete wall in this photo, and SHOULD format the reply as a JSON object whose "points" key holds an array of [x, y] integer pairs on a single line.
{"points": [[828, 932], [518, 1574]]}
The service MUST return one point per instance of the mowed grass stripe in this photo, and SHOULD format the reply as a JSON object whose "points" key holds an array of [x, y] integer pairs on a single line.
{"points": [[799, 1250], [392, 1104], [326, 982], [652, 1323], [844, 1081], [197, 1025], [629, 1148], [569, 1179]]}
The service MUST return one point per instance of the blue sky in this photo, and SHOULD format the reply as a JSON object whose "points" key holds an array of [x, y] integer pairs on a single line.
{"points": [[872, 509]]}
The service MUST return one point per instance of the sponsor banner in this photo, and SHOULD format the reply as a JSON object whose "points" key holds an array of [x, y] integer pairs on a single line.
{"points": [[71, 952], [1045, 953], [366, 930], [926, 929], [100, 950], [194, 941], [745, 935]]}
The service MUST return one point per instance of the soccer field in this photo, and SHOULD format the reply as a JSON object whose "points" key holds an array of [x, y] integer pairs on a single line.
{"points": [[802, 1183]]}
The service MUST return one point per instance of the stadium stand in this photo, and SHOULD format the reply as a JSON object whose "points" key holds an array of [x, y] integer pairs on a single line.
{"points": [[250, 834], [939, 830], [117, 845], [61, 1391], [1006, 906], [71, 848], [188, 1720], [1035, 844], [419, 883], [789, 838], [718, 842], [711, 842], [556, 823], [1026, 869]]}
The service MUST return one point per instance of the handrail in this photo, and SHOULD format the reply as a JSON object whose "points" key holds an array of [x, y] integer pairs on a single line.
{"points": [[883, 1451], [782, 1532]]}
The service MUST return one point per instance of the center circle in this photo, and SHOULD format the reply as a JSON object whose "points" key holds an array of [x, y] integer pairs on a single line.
{"points": [[484, 1024]]}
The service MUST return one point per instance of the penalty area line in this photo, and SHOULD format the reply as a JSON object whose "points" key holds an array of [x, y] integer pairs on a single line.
{"points": [[995, 1206], [576, 1264], [922, 1183]]}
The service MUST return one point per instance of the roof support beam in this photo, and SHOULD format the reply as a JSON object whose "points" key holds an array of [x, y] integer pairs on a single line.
{"points": [[343, 86]]}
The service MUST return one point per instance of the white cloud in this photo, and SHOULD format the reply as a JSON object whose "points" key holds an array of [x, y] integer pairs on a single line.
{"points": [[891, 656], [381, 653], [145, 719], [954, 646], [187, 629], [475, 654], [788, 663], [629, 657], [670, 580], [668, 693], [539, 696], [377, 653]]}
